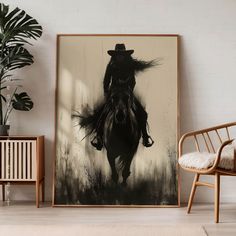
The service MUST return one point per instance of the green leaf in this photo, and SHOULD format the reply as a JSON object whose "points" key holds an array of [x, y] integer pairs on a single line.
{"points": [[22, 102], [15, 57], [17, 26]]}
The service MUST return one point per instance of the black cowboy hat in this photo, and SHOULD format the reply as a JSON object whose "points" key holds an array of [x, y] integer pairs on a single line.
{"points": [[119, 49]]}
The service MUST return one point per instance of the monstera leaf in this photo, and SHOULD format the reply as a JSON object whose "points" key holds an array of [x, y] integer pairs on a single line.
{"points": [[22, 102], [17, 26], [15, 57]]}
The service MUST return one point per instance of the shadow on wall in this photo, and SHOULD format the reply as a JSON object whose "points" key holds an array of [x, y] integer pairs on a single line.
{"points": [[186, 105], [39, 82]]}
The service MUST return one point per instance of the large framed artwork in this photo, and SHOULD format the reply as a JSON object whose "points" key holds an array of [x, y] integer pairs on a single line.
{"points": [[116, 121]]}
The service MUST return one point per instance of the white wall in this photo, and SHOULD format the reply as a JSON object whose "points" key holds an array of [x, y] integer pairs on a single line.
{"points": [[208, 59]]}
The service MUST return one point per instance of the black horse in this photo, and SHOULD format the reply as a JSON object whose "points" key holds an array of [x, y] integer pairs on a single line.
{"points": [[120, 127], [121, 133]]}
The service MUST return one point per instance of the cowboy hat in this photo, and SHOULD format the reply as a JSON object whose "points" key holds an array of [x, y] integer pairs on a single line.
{"points": [[119, 49]]}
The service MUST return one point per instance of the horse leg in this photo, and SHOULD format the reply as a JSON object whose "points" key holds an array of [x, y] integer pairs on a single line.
{"points": [[126, 170], [114, 174], [142, 117]]}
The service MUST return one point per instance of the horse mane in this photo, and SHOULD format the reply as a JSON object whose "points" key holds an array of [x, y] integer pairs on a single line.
{"points": [[140, 65], [135, 64], [89, 118]]}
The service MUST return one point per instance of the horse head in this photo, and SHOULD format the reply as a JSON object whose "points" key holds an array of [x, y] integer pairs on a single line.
{"points": [[121, 103]]}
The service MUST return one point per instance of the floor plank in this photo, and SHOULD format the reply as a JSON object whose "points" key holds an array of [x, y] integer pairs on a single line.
{"points": [[25, 213]]}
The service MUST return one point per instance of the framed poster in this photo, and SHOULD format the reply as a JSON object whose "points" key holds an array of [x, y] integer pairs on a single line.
{"points": [[116, 121]]}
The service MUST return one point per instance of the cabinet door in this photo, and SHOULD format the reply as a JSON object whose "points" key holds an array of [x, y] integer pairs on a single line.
{"points": [[18, 160]]}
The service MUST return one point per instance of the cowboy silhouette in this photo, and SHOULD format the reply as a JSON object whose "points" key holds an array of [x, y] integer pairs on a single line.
{"points": [[120, 73]]}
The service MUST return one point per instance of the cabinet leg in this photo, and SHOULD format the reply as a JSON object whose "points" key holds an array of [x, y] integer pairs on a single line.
{"points": [[37, 194], [43, 190], [3, 192]]}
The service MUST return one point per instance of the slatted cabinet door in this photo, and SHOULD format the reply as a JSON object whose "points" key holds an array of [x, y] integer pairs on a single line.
{"points": [[18, 160]]}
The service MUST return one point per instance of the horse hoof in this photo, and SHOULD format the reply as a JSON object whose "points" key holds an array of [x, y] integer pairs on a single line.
{"points": [[124, 184]]}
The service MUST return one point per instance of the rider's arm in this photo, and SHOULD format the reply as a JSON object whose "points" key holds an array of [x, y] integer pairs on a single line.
{"points": [[107, 79], [132, 82]]}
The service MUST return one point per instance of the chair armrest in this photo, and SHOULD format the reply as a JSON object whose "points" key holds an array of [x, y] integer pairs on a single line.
{"points": [[217, 160], [219, 152]]}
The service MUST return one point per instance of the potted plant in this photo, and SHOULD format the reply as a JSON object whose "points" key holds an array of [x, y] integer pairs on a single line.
{"points": [[17, 30]]}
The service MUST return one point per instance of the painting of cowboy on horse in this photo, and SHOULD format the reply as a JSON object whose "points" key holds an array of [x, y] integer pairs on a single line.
{"points": [[121, 119], [116, 120]]}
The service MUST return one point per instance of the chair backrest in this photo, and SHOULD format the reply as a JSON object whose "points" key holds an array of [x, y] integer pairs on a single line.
{"points": [[210, 139]]}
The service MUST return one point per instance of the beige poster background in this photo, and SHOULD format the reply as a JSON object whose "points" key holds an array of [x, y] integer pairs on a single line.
{"points": [[82, 61]]}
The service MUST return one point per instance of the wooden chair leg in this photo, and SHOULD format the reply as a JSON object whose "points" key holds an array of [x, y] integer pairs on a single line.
{"points": [[3, 192], [193, 190], [37, 193], [217, 196]]}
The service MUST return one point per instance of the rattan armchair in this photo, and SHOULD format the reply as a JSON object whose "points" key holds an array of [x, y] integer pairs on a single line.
{"points": [[211, 140]]}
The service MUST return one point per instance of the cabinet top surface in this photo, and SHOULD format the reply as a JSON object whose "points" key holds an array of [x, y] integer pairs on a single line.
{"points": [[21, 137]]}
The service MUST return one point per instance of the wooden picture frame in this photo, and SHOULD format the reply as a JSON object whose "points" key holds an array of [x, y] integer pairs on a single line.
{"points": [[82, 60]]}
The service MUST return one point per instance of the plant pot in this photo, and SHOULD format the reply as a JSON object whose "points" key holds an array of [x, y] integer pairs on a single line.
{"points": [[4, 130]]}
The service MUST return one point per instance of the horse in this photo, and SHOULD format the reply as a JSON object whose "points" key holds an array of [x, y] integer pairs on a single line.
{"points": [[121, 133]]}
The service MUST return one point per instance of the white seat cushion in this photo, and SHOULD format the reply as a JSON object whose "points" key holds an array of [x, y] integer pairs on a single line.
{"points": [[204, 160]]}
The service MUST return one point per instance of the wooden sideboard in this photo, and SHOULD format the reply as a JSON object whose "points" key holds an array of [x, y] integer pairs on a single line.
{"points": [[22, 162]]}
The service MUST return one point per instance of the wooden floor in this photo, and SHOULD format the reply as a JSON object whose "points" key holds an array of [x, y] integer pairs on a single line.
{"points": [[22, 213]]}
